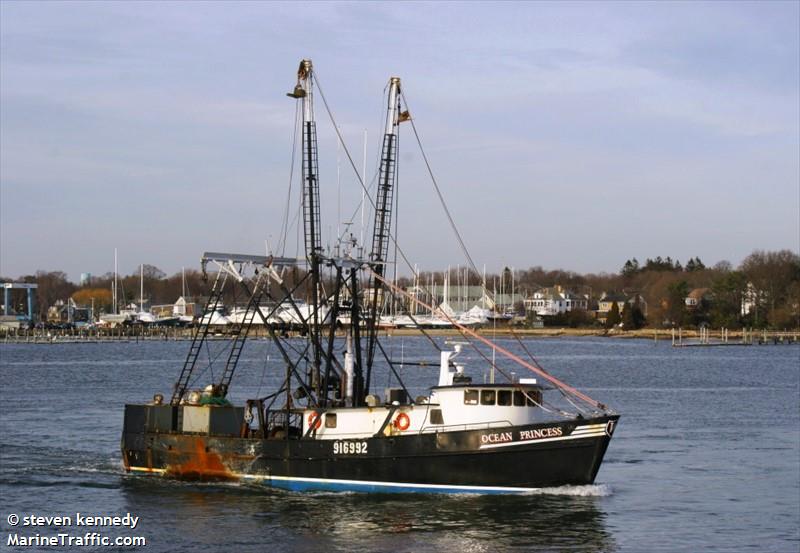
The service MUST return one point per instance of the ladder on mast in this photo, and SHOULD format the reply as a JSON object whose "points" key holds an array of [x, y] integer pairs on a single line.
{"points": [[381, 232], [241, 331], [198, 338], [311, 216], [383, 212]]}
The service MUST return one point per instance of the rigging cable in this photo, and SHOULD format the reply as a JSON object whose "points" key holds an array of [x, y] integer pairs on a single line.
{"points": [[372, 202], [265, 367], [285, 223], [547, 376], [211, 361], [538, 364], [363, 186], [439, 192]]}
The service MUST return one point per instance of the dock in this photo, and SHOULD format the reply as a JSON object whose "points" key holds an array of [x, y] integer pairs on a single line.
{"points": [[746, 337]]}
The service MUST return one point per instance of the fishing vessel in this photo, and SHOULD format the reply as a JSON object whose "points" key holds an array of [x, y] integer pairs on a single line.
{"points": [[325, 426]]}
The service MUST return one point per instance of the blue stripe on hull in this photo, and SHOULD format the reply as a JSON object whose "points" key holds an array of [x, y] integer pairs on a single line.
{"points": [[311, 485]]}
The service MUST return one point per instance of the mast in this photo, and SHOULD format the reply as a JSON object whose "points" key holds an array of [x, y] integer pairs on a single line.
{"points": [[141, 288], [116, 299], [383, 215], [311, 208]]}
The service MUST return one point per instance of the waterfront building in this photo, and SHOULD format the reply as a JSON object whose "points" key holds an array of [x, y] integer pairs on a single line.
{"points": [[555, 300]]}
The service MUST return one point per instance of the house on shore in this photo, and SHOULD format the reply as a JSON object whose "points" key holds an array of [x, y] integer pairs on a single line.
{"points": [[555, 301], [608, 299], [697, 298], [183, 307]]}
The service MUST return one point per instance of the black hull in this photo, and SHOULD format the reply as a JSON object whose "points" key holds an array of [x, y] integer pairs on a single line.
{"points": [[488, 460]]}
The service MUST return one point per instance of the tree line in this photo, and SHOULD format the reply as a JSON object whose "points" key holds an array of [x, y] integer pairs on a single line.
{"points": [[766, 283]]}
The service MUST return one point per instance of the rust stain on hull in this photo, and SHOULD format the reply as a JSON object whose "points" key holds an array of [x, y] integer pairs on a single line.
{"points": [[200, 464]]}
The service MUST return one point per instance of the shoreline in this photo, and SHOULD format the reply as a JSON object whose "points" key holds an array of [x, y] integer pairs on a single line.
{"points": [[642, 333], [185, 334]]}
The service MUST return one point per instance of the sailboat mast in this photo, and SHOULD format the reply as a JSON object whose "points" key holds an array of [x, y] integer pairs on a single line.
{"points": [[512, 289], [115, 282], [141, 287]]}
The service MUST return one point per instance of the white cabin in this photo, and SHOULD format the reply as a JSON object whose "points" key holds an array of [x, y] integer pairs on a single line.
{"points": [[455, 404]]}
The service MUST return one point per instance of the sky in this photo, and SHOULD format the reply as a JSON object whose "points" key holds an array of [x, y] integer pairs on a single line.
{"points": [[568, 135]]}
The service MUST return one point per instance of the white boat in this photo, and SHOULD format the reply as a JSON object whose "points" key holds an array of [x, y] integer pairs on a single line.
{"points": [[237, 315], [145, 317], [475, 316], [215, 318], [302, 313]]}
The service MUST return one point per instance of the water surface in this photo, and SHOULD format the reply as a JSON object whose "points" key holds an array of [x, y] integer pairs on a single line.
{"points": [[706, 456]]}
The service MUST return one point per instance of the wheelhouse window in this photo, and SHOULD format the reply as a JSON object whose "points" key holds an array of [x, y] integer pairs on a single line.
{"points": [[436, 416], [488, 397], [503, 397], [519, 398], [470, 397], [330, 420], [534, 398]]}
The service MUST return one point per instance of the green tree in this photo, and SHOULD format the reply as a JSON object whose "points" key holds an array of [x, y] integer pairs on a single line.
{"points": [[728, 289], [639, 320], [659, 264], [772, 275], [627, 316], [613, 318], [632, 316], [694, 264], [676, 301], [630, 268], [579, 318], [698, 265]]}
